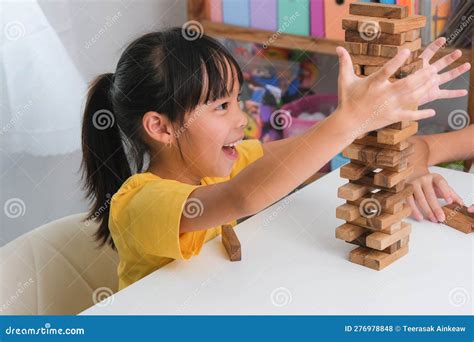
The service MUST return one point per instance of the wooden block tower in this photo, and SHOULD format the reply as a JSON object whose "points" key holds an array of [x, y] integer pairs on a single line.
{"points": [[375, 195]]}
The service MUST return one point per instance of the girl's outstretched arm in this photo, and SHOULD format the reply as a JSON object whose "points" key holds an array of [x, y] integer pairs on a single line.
{"points": [[365, 104]]}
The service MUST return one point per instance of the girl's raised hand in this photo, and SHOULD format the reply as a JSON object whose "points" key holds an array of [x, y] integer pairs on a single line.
{"points": [[435, 93], [374, 101]]}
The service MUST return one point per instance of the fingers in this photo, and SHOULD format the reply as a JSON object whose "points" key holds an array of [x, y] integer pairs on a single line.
{"points": [[392, 65], [447, 60], [411, 115], [415, 212], [431, 49], [450, 94], [432, 200], [447, 193], [346, 69], [423, 203], [454, 73]]}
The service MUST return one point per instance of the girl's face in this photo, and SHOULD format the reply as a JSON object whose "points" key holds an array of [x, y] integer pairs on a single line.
{"points": [[212, 131]]}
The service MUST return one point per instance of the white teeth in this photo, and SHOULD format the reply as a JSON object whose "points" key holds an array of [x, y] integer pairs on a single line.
{"points": [[234, 143]]}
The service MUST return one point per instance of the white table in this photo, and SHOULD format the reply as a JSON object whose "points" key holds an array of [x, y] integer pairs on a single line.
{"points": [[292, 264]]}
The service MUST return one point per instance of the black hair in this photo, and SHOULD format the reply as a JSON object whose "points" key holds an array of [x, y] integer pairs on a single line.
{"points": [[170, 72]]}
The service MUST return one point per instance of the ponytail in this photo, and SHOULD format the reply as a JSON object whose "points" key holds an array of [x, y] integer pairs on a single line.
{"points": [[104, 162]]}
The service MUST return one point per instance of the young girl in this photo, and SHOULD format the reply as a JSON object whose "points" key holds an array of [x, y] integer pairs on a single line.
{"points": [[163, 137]]}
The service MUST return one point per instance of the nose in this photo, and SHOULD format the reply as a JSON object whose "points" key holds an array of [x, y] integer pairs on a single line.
{"points": [[242, 119]]}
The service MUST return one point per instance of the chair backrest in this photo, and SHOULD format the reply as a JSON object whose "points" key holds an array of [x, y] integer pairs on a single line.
{"points": [[56, 269]]}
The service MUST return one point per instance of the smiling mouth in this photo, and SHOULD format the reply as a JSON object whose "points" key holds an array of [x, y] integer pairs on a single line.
{"points": [[230, 149]]}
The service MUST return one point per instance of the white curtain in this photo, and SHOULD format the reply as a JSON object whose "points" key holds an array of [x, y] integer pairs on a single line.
{"points": [[41, 90]]}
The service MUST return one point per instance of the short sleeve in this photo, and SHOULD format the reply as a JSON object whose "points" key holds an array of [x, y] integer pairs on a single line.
{"points": [[249, 151], [155, 214]]}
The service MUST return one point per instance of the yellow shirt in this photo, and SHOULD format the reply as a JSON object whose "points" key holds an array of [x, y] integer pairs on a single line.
{"points": [[145, 216]]}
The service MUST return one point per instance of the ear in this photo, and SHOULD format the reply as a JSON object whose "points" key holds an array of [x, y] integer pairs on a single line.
{"points": [[158, 127]]}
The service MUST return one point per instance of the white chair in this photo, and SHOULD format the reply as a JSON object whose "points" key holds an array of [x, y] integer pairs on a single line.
{"points": [[56, 269]]}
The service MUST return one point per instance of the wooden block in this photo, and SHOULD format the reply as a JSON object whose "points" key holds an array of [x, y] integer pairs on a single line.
{"points": [[396, 208], [374, 155], [369, 181], [394, 136], [389, 179], [412, 35], [377, 60], [409, 69], [379, 10], [349, 232], [347, 212], [380, 38], [400, 125], [459, 218], [402, 165], [361, 241], [389, 51], [372, 141], [374, 49], [371, 69], [380, 241], [392, 209], [231, 243], [352, 192], [353, 171], [388, 199], [386, 220], [383, 222], [356, 48], [357, 69], [391, 26], [376, 260]]}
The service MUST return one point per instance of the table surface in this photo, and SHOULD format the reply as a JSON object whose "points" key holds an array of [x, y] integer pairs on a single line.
{"points": [[293, 264]]}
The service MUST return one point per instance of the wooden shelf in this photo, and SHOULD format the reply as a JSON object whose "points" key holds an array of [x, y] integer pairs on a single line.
{"points": [[293, 42]]}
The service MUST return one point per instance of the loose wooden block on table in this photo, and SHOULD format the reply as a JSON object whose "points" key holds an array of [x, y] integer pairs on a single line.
{"points": [[231, 243], [459, 218], [375, 259], [379, 10], [392, 26], [394, 136]]}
